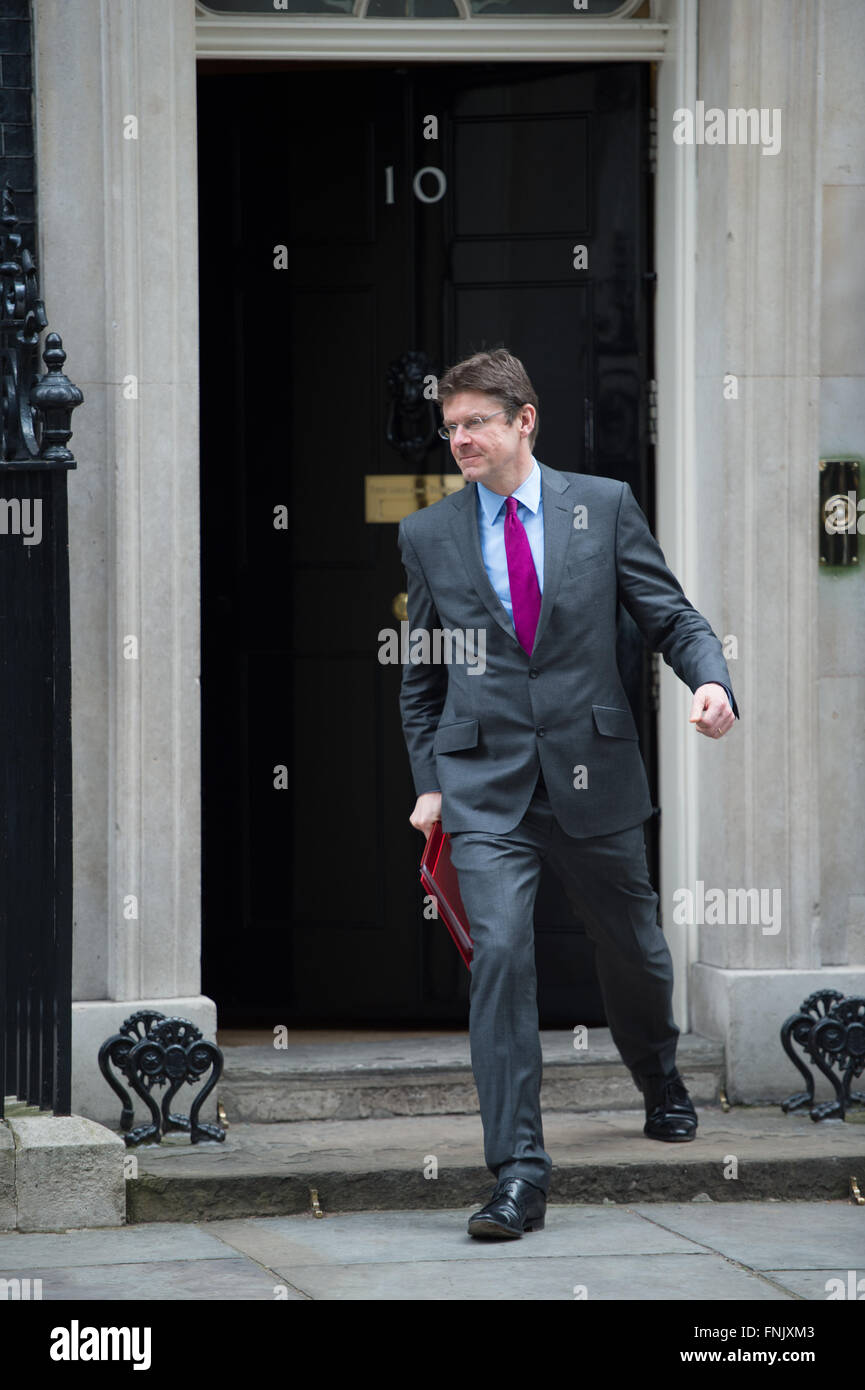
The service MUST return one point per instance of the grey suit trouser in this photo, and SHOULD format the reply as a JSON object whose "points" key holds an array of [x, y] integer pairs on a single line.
{"points": [[606, 879]]}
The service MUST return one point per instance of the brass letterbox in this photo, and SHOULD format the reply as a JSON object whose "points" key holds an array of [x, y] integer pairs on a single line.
{"points": [[391, 496]]}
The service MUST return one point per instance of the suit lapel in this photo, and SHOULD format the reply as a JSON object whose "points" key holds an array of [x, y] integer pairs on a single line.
{"points": [[558, 525], [464, 520]]}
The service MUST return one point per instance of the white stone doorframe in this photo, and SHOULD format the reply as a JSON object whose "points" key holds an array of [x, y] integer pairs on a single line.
{"points": [[116, 159], [670, 39]]}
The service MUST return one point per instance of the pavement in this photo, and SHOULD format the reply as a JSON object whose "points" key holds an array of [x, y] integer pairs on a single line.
{"points": [[699, 1251], [359, 1186]]}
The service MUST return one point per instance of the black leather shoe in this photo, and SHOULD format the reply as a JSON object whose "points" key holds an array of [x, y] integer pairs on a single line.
{"points": [[670, 1114], [515, 1206]]}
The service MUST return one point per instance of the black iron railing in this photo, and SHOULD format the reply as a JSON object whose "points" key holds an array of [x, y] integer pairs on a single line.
{"points": [[35, 731]]}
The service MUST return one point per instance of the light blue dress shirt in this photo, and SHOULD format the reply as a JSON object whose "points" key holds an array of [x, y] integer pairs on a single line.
{"points": [[491, 523]]}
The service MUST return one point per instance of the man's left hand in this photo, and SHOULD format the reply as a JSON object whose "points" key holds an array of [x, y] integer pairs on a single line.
{"points": [[711, 711]]}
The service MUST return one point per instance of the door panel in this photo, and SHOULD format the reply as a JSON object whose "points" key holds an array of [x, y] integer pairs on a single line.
{"points": [[520, 175]]}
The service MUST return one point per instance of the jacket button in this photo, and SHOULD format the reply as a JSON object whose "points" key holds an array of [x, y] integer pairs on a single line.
{"points": [[541, 731], [533, 671]]}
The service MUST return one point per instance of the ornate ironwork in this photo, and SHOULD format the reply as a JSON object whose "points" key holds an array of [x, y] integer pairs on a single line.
{"points": [[831, 1031], [35, 691], [36, 412], [411, 421], [151, 1050]]}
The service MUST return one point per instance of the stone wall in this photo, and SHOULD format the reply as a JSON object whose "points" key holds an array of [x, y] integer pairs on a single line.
{"points": [[779, 286], [116, 149], [841, 592]]}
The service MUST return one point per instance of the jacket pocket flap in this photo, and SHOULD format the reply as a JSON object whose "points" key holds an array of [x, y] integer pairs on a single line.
{"points": [[449, 738], [614, 723]]}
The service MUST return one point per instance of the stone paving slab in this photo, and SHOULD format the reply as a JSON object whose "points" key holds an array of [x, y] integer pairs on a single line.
{"points": [[810, 1284], [808, 1236], [396, 1076], [127, 1244], [366, 1237], [757, 1252], [614, 1136], [686, 1277], [443, 1052], [221, 1279]]}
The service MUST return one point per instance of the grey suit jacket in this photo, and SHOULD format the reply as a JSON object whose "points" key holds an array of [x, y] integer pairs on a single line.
{"points": [[480, 738]]}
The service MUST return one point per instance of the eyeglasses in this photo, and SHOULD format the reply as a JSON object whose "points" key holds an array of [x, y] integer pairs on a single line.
{"points": [[470, 426]]}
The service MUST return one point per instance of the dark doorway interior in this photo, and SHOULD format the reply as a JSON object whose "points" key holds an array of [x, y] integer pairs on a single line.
{"points": [[325, 256]]}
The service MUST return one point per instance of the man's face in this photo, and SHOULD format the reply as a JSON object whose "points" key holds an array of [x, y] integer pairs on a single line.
{"points": [[490, 450]]}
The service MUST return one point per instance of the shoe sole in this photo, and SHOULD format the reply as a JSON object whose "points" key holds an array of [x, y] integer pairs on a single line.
{"points": [[491, 1230], [672, 1138]]}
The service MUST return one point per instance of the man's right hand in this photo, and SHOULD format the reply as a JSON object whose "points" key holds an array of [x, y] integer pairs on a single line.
{"points": [[427, 810]]}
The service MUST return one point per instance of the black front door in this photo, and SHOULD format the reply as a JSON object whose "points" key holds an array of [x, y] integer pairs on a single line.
{"points": [[349, 217]]}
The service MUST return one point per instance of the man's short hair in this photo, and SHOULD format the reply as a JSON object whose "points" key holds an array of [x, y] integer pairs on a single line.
{"points": [[498, 374]]}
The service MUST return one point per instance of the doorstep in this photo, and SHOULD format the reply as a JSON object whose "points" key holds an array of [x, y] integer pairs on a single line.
{"points": [[742, 1154], [349, 1077]]}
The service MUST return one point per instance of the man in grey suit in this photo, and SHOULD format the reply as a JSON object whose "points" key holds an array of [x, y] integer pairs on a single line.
{"points": [[533, 754]]}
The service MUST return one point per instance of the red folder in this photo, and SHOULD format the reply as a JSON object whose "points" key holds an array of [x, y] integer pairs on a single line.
{"points": [[439, 877]]}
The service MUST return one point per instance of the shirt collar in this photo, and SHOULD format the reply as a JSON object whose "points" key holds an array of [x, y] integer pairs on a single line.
{"points": [[528, 492]]}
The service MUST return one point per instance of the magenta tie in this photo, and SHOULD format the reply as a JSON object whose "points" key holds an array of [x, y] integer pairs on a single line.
{"points": [[525, 591]]}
